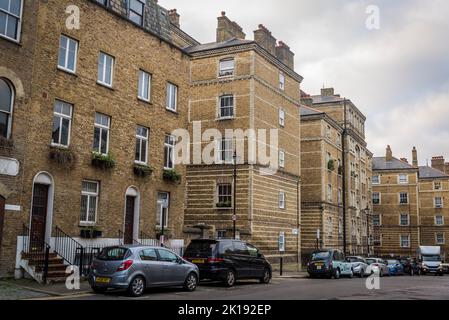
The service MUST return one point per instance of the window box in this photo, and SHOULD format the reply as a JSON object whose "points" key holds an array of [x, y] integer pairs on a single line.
{"points": [[171, 175], [224, 205], [142, 171], [102, 161], [6, 145], [90, 233], [167, 233], [331, 165], [63, 156]]}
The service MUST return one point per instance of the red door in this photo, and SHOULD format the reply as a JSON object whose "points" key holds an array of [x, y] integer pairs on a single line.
{"points": [[129, 220], [2, 217], [38, 217]]}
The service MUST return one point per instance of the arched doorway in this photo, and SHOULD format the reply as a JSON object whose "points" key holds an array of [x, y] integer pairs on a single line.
{"points": [[132, 215], [41, 211]]}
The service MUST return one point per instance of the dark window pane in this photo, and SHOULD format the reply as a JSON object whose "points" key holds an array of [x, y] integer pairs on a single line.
{"points": [[11, 27], [15, 7], [65, 132], [5, 96], [138, 149], [4, 119], [104, 141], [96, 145], [55, 131], [4, 4], [2, 23], [143, 153], [135, 18]]}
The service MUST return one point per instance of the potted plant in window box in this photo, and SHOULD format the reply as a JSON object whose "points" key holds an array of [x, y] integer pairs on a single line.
{"points": [[142, 170], [103, 161], [331, 165], [224, 205], [171, 175], [63, 156], [91, 232], [167, 233], [6, 145]]}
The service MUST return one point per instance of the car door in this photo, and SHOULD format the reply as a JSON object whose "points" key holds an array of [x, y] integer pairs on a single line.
{"points": [[257, 263], [241, 259], [174, 272], [152, 268]]}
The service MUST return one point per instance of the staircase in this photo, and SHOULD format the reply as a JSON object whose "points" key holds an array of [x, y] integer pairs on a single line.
{"points": [[44, 270]]}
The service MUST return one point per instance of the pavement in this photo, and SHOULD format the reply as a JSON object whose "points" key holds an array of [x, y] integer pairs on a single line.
{"points": [[290, 286]]}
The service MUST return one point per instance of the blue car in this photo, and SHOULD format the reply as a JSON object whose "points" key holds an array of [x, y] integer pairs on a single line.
{"points": [[395, 268]]}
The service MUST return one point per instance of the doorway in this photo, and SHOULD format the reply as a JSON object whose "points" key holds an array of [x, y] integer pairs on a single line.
{"points": [[129, 219], [39, 217]]}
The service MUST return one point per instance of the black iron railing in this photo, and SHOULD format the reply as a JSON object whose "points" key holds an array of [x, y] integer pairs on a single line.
{"points": [[36, 251], [69, 249]]}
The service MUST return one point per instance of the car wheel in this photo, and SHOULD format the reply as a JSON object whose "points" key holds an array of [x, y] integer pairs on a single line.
{"points": [[191, 282], [337, 274], [230, 278], [136, 287], [266, 276], [351, 275], [99, 290]]}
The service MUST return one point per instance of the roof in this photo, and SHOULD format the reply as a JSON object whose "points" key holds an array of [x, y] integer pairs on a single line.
{"points": [[381, 163], [217, 45], [306, 111], [326, 99], [426, 172]]}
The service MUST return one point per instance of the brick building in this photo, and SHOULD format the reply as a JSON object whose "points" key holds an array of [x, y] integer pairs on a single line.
{"points": [[248, 85], [336, 160], [86, 117]]}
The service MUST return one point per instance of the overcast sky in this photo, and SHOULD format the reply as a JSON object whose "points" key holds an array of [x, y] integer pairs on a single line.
{"points": [[397, 75]]}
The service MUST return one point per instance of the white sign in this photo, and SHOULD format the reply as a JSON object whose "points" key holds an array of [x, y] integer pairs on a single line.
{"points": [[295, 232], [9, 167], [281, 242], [11, 207], [317, 233]]}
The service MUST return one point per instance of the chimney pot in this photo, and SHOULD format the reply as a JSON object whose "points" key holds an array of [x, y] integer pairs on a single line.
{"points": [[265, 39], [173, 16], [327, 92]]}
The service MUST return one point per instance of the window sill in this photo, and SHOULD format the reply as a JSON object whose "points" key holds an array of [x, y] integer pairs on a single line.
{"points": [[224, 209], [225, 118], [17, 42], [87, 224], [226, 77], [172, 111], [144, 101], [105, 85], [59, 146], [67, 71]]}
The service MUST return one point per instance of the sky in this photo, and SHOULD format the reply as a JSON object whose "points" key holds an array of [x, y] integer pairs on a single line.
{"points": [[397, 75]]}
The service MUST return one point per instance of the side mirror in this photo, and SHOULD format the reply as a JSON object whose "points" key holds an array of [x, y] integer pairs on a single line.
{"points": [[259, 255]]}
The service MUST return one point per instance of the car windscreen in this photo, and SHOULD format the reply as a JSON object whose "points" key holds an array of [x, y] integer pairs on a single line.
{"points": [[113, 254], [370, 261], [392, 261], [321, 256], [202, 249], [431, 258], [352, 259]]}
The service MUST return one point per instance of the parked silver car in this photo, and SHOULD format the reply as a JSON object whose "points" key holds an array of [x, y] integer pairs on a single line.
{"points": [[359, 265], [377, 266], [136, 268]]}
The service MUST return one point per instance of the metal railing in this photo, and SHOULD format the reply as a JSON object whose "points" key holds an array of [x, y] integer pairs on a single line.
{"points": [[36, 251], [69, 249]]}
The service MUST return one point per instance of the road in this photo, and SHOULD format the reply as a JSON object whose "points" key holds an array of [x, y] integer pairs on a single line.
{"points": [[391, 288]]}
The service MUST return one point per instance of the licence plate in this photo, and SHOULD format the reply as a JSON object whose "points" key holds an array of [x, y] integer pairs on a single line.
{"points": [[103, 280], [318, 267], [198, 261]]}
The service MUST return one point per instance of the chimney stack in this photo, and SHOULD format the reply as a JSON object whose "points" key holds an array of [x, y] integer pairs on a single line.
{"points": [[264, 38], [173, 16], [389, 155], [227, 29], [327, 92], [438, 163], [415, 157], [306, 99], [284, 54]]}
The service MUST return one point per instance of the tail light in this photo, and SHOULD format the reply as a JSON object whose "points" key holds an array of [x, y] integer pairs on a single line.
{"points": [[125, 265], [375, 264], [215, 260]]}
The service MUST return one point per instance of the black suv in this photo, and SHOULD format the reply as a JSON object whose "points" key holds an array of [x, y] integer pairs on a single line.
{"points": [[228, 261]]}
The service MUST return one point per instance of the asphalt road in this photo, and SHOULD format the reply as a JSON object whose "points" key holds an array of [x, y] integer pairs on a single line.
{"points": [[391, 288]]}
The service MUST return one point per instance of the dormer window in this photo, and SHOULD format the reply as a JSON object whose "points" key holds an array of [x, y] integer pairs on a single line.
{"points": [[136, 8], [227, 67]]}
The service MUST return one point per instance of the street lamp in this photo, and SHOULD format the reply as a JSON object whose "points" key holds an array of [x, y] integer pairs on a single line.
{"points": [[234, 217]]}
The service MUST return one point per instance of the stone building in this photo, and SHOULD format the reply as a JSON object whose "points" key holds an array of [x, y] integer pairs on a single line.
{"points": [[247, 85], [334, 133], [402, 227], [86, 117]]}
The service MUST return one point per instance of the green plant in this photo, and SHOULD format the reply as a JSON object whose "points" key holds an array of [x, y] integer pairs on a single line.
{"points": [[90, 232], [227, 204], [331, 165], [63, 156], [143, 171], [103, 161], [172, 175]]}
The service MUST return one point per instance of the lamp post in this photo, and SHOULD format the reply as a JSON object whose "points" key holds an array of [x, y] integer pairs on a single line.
{"points": [[367, 230], [234, 217]]}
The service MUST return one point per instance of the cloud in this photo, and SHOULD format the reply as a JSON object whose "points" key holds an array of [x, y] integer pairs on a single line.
{"points": [[398, 75]]}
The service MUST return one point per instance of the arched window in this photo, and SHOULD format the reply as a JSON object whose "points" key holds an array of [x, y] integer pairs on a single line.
{"points": [[6, 102]]}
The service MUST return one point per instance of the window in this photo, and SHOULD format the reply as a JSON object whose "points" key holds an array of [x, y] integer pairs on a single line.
{"points": [[103, 2], [89, 201], [340, 199], [224, 195], [221, 234], [68, 51], [281, 159], [144, 90], [167, 256], [403, 198], [136, 11], [281, 81], [330, 227], [281, 117], [376, 179], [169, 152], [227, 67], [62, 119], [405, 241], [6, 104], [377, 239], [282, 200], [440, 238], [148, 255], [328, 132], [225, 151], [105, 69], [10, 18], [101, 133], [172, 97], [376, 198], [329, 193], [226, 107], [437, 185], [438, 202], [163, 203], [439, 220], [404, 220], [141, 145], [377, 220], [403, 178]]}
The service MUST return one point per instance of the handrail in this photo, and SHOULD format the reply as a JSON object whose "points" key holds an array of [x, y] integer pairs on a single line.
{"points": [[36, 251], [68, 248]]}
